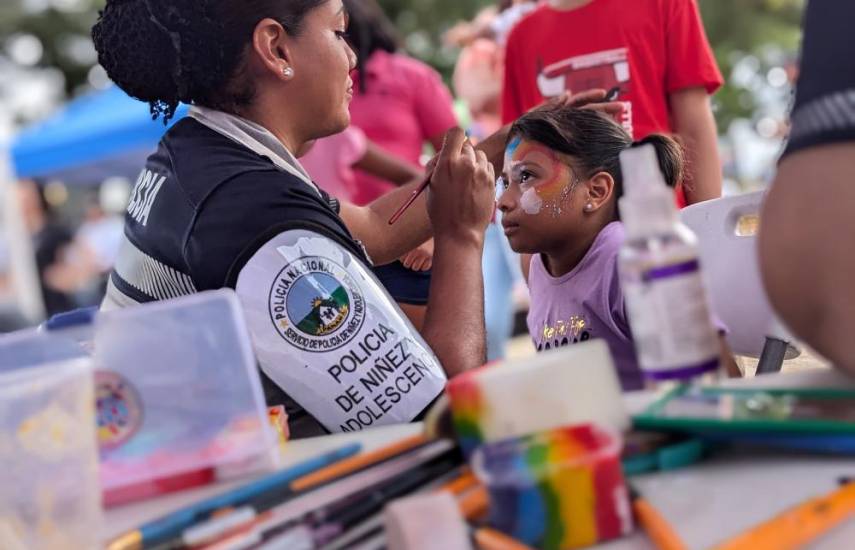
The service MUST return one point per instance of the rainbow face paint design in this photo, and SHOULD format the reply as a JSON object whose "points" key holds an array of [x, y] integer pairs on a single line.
{"points": [[545, 180], [558, 489]]}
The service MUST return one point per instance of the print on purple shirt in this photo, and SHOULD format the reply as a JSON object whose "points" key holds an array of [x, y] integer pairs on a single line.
{"points": [[585, 303]]}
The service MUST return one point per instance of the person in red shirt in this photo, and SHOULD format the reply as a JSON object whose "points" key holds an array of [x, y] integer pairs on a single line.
{"points": [[651, 54]]}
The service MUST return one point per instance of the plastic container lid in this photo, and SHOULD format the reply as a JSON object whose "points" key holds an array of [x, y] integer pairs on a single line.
{"points": [[647, 207]]}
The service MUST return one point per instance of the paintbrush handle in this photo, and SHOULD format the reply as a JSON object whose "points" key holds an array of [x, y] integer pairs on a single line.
{"points": [[352, 465], [404, 207], [474, 504], [659, 531]]}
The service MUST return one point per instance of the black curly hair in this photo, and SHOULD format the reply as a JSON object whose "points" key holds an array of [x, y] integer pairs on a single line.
{"points": [[166, 52]]}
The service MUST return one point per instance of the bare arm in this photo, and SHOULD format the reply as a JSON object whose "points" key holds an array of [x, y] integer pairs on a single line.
{"points": [[460, 198], [387, 243], [460, 203], [387, 166], [693, 121], [370, 224], [806, 249]]}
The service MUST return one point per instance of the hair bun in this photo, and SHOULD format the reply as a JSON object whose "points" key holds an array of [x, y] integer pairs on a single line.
{"points": [[137, 55]]}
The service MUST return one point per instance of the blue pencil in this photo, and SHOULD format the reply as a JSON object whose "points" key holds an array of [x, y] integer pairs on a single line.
{"points": [[161, 531]]}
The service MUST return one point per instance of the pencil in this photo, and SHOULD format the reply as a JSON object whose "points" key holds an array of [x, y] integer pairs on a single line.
{"points": [[461, 484], [474, 504], [800, 524], [351, 465], [659, 530]]}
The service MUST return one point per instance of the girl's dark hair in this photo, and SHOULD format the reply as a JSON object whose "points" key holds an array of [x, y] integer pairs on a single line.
{"points": [[169, 51], [595, 141], [369, 30]]}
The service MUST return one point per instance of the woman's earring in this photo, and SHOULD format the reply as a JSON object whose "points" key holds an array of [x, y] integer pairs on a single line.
{"points": [[288, 72], [589, 207]]}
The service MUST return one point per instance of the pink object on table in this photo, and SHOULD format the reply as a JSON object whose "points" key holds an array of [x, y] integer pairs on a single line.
{"points": [[330, 162], [405, 104]]}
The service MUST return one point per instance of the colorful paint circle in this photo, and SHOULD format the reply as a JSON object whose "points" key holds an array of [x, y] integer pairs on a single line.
{"points": [[118, 409]]}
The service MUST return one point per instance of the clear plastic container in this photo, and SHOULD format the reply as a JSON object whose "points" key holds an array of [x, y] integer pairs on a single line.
{"points": [[558, 489], [49, 493], [179, 397]]}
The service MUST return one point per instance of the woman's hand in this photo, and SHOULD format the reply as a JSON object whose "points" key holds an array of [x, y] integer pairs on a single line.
{"points": [[419, 259], [594, 100], [462, 191]]}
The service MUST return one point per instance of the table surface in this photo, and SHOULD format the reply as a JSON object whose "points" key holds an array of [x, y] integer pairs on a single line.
{"points": [[707, 503]]}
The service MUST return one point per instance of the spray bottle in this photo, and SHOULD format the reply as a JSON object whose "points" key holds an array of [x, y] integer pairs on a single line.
{"points": [[660, 275]]}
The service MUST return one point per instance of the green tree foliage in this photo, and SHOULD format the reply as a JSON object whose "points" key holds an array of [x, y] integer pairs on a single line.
{"points": [[767, 30], [64, 34]]}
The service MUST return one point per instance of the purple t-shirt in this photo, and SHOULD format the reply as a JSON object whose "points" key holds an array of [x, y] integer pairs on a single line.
{"points": [[585, 303]]}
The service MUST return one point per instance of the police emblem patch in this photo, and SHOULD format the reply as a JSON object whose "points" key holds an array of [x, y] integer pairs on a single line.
{"points": [[315, 304]]}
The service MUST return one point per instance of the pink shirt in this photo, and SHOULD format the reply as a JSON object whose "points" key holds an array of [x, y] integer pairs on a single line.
{"points": [[330, 162], [406, 104]]}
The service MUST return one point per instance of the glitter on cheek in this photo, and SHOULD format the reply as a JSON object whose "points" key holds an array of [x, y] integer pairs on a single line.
{"points": [[531, 202]]}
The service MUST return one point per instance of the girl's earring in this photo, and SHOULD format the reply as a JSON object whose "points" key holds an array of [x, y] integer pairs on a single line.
{"points": [[288, 72]]}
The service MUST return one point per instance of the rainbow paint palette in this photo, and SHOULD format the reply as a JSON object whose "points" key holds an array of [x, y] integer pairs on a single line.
{"points": [[557, 490], [571, 385]]}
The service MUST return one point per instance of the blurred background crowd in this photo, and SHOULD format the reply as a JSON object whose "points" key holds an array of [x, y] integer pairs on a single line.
{"points": [[73, 219]]}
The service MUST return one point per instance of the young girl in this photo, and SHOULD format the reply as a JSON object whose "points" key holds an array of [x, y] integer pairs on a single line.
{"points": [[562, 181]]}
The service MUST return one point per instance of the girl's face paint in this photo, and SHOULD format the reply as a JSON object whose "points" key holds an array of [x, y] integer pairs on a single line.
{"points": [[530, 202], [536, 202], [544, 179]]}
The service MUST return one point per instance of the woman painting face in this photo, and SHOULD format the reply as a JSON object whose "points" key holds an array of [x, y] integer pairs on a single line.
{"points": [[538, 188]]}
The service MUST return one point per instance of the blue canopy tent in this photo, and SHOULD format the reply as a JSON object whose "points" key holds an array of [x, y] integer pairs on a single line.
{"points": [[102, 134]]}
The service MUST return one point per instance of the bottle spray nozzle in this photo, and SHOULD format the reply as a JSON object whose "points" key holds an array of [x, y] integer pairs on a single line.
{"points": [[641, 171], [647, 206]]}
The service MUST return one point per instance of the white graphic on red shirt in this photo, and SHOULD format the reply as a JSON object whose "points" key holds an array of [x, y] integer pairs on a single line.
{"points": [[607, 69]]}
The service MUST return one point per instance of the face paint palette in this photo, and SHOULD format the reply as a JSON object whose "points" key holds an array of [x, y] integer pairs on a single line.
{"points": [[559, 489], [570, 385]]}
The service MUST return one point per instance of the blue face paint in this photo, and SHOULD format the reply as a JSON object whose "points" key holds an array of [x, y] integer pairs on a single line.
{"points": [[512, 146]]}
